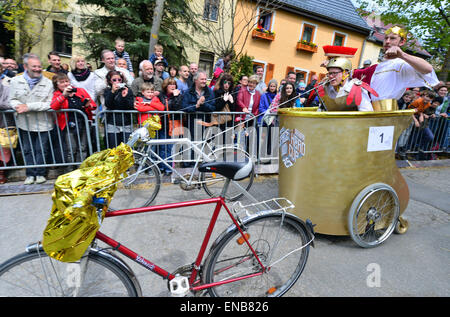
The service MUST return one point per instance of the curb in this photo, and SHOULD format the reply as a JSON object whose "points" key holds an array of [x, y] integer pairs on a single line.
{"points": [[18, 188]]}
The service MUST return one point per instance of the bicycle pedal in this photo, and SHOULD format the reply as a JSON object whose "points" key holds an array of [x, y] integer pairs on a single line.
{"points": [[179, 286]]}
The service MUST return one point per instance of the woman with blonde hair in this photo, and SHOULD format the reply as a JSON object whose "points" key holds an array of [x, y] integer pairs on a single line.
{"points": [[248, 99], [81, 76]]}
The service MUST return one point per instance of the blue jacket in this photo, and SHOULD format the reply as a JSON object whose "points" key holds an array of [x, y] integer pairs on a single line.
{"points": [[152, 59], [264, 103], [190, 99]]}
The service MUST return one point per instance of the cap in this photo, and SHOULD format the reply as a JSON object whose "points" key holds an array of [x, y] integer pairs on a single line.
{"points": [[159, 62], [367, 62]]}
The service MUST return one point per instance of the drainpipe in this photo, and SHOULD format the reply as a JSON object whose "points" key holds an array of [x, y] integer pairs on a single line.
{"points": [[363, 48]]}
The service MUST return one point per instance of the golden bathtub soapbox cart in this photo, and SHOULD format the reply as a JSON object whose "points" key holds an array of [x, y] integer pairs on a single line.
{"points": [[338, 168]]}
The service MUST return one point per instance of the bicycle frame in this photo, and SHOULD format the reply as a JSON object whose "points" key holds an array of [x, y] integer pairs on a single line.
{"points": [[197, 147], [202, 156], [220, 202]]}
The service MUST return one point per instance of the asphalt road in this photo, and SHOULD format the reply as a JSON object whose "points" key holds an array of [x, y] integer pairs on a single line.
{"points": [[413, 264]]}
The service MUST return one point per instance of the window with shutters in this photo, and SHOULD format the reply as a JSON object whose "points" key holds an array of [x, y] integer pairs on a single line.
{"points": [[339, 39], [206, 62], [268, 70], [300, 74], [308, 33], [265, 19]]}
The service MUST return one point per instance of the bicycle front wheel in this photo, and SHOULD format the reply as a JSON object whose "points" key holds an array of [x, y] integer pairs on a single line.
{"points": [[213, 182], [33, 274], [141, 186], [281, 244]]}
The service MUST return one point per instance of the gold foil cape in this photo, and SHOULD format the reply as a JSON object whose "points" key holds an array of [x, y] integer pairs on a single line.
{"points": [[153, 124], [74, 221]]}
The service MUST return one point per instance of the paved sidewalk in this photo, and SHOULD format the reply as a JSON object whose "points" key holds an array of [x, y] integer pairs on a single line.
{"points": [[412, 264], [17, 187]]}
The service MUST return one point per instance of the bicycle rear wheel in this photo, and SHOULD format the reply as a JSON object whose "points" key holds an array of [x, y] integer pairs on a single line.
{"points": [[213, 182], [281, 243], [32, 274], [141, 186]]}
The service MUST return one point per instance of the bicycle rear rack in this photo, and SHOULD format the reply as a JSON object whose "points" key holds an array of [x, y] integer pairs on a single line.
{"points": [[279, 204]]}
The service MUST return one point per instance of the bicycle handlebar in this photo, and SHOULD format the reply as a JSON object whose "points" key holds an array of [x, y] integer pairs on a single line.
{"points": [[137, 135]]}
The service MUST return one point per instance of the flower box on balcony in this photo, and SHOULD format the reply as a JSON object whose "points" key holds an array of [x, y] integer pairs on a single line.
{"points": [[306, 47], [265, 35]]}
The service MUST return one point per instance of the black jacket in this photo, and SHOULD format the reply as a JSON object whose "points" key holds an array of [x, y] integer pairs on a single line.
{"points": [[115, 101]]}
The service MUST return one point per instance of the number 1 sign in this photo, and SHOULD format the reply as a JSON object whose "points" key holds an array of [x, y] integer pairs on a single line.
{"points": [[380, 139]]}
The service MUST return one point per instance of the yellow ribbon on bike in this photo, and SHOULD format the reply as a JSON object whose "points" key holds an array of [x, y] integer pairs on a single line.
{"points": [[153, 124], [74, 221]]}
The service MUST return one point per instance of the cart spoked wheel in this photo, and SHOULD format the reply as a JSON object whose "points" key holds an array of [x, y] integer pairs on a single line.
{"points": [[373, 215]]}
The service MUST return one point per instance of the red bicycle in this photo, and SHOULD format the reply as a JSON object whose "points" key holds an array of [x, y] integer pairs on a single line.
{"points": [[262, 253]]}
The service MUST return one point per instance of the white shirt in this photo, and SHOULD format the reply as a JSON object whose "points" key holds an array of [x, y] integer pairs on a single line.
{"points": [[393, 76], [100, 81], [365, 104]]}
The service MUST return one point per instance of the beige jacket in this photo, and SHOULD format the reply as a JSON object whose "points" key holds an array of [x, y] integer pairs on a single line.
{"points": [[38, 102]]}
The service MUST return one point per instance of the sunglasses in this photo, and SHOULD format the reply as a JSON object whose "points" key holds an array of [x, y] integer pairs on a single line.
{"points": [[114, 80]]}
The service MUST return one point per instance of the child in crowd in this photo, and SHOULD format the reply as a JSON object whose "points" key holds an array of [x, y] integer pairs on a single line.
{"points": [[437, 101], [158, 55], [424, 110], [421, 104], [121, 53], [148, 102], [405, 100]]}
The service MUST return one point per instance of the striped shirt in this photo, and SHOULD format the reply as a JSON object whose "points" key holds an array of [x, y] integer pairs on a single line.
{"points": [[126, 57]]}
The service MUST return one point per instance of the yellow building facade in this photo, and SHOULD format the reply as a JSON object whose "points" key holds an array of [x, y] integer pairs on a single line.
{"points": [[56, 30], [278, 49]]}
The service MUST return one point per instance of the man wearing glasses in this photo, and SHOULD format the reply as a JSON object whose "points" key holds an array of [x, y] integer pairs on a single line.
{"points": [[340, 92], [109, 61]]}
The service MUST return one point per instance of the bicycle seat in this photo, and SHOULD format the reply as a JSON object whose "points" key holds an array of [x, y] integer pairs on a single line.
{"points": [[232, 170]]}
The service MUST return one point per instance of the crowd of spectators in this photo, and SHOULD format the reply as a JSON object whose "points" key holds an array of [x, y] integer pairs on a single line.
{"points": [[429, 134], [156, 86]]}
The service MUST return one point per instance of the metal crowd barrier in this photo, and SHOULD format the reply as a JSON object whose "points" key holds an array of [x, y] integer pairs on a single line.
{"points": [[244, 132], [432, 139], [69, 147], [51, 148]]}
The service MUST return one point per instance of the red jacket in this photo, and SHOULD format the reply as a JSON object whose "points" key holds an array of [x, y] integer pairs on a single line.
{"points": [[154, 105], [59, 101], [243, 100]]}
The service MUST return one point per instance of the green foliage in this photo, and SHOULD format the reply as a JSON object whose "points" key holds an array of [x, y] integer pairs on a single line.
{"points": [[131, 20], [242, 66], [28, 19], [427, 20]]}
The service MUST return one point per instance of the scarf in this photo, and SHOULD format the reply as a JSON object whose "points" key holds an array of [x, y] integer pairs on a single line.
{"points": [[31, 81], [81, 74], [270, 96], [250, 104]]}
